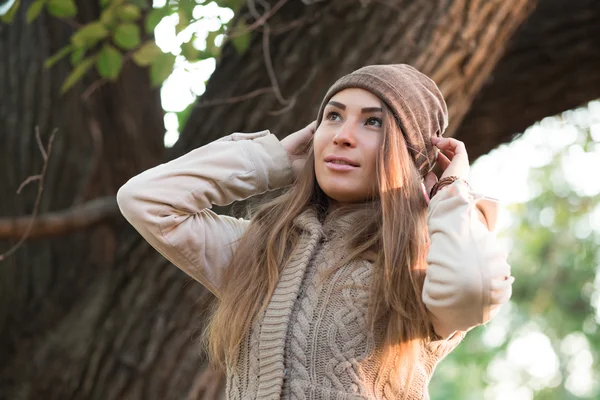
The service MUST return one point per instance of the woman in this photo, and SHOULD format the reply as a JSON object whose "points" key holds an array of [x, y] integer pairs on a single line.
{"points": [[352, 284]]}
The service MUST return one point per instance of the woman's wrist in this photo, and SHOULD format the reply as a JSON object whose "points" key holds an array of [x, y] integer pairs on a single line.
{"points": [[443, 182]]}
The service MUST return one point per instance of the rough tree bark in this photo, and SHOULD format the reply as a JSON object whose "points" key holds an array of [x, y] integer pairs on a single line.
{"points": [[551, 65], [98, 314]]}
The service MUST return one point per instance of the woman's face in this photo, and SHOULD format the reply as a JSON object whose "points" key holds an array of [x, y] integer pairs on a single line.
{"points": [[346, 145]]}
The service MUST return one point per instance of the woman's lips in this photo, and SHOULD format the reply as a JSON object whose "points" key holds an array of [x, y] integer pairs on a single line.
{"points": [[339, 166]]}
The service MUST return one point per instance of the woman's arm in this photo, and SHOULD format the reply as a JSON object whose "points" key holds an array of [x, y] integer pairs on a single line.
{"points": [[468, 277], [169, 204]]}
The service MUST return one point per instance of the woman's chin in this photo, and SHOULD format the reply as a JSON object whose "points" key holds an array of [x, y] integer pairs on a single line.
{"points": [[344, 194]]}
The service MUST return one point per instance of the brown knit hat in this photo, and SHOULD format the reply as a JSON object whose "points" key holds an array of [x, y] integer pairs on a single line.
{"points": [[414, 99]]}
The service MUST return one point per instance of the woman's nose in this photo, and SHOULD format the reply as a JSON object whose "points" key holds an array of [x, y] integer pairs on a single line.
{"points": [[345, 136]]}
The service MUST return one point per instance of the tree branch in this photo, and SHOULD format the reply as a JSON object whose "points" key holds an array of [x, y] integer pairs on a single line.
{"points": [[259, 20], [552, 65], [60, 222], [27, 181], [40, 178], [235, 99], [267, 53]]}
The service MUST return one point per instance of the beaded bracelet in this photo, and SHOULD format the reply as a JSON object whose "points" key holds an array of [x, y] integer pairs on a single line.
{"points": [[443, 183]]}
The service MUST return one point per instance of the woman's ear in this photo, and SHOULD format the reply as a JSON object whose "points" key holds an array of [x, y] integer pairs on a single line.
{"points": [[429, 180], [424, 190]]}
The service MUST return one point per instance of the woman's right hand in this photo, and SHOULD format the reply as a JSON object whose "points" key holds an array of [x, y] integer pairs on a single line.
{"points": [[297, 145]]}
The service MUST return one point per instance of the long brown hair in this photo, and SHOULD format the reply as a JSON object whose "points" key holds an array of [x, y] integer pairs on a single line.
{"points": [[396, 228]]}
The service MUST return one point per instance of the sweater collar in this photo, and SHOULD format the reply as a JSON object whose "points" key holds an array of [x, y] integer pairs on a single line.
{"points": [[308, 221], [338, 221]]}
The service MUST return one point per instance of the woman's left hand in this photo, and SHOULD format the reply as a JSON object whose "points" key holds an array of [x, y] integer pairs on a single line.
{"points": [[452, 159], [297, 145]]}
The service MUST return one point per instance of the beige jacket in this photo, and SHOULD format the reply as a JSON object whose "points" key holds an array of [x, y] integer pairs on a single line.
{"points": [[467, 276]]}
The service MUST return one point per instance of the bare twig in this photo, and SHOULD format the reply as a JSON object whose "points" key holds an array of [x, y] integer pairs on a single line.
{"points": [[307, 82], [40, 145], [28, 180], [236, 99], [259, 21], [45, 154], [265, 4], [284, 109], [269, 65], [267, 54], [97, 84], [60, 222], [93, 87], [277, 30]]}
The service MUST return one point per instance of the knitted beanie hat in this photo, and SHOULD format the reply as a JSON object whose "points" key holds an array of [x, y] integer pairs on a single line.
{"points": [[415, 101]]}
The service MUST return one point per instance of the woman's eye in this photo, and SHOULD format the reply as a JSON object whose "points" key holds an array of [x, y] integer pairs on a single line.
{"points": [[374, 121], [332, 116]]}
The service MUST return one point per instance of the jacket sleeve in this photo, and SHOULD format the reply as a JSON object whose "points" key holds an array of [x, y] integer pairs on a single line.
{"points": [[467, 277], [169, 205]]}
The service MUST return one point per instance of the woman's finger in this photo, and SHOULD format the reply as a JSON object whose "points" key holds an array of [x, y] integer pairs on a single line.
{"points": [[443, 161], [447, 153], [454, 145]]}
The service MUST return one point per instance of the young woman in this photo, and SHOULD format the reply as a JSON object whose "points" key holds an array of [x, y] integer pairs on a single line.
{"points": [[353, 283]]}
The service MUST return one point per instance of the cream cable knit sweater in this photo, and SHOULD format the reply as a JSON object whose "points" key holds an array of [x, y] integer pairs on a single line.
{"points": [[312, 341]]}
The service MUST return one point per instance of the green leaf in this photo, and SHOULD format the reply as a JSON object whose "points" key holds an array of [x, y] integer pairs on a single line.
{"points": [[89, 35], [154, 17], [184, 115], [62, 8], [129, 12], [58, 56], [34, 10], [108, 17], [78, 72], [241, 42], [127, 36], [110, 62], [104, 3], [10, 14], [77, 55], [189, 51], [183, 23], [146, 54], [187, 7], [233, 4], [143, 4], [161, 68], [211, 47]]}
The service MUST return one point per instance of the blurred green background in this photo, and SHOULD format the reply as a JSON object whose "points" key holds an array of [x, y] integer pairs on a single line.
{"points": [[545, 344]]}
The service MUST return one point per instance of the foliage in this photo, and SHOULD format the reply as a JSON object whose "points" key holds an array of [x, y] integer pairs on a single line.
{"points": [[124, 32], [555, 257]]}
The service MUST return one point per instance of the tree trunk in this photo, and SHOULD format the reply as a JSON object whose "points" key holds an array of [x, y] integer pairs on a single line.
{"points": [[98, 314], [65, 317], [457, 43], [551, 65]]}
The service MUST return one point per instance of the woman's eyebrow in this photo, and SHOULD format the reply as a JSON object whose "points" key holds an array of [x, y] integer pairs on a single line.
{"points": [[371, 109], [338, 105], [364, 110]]}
